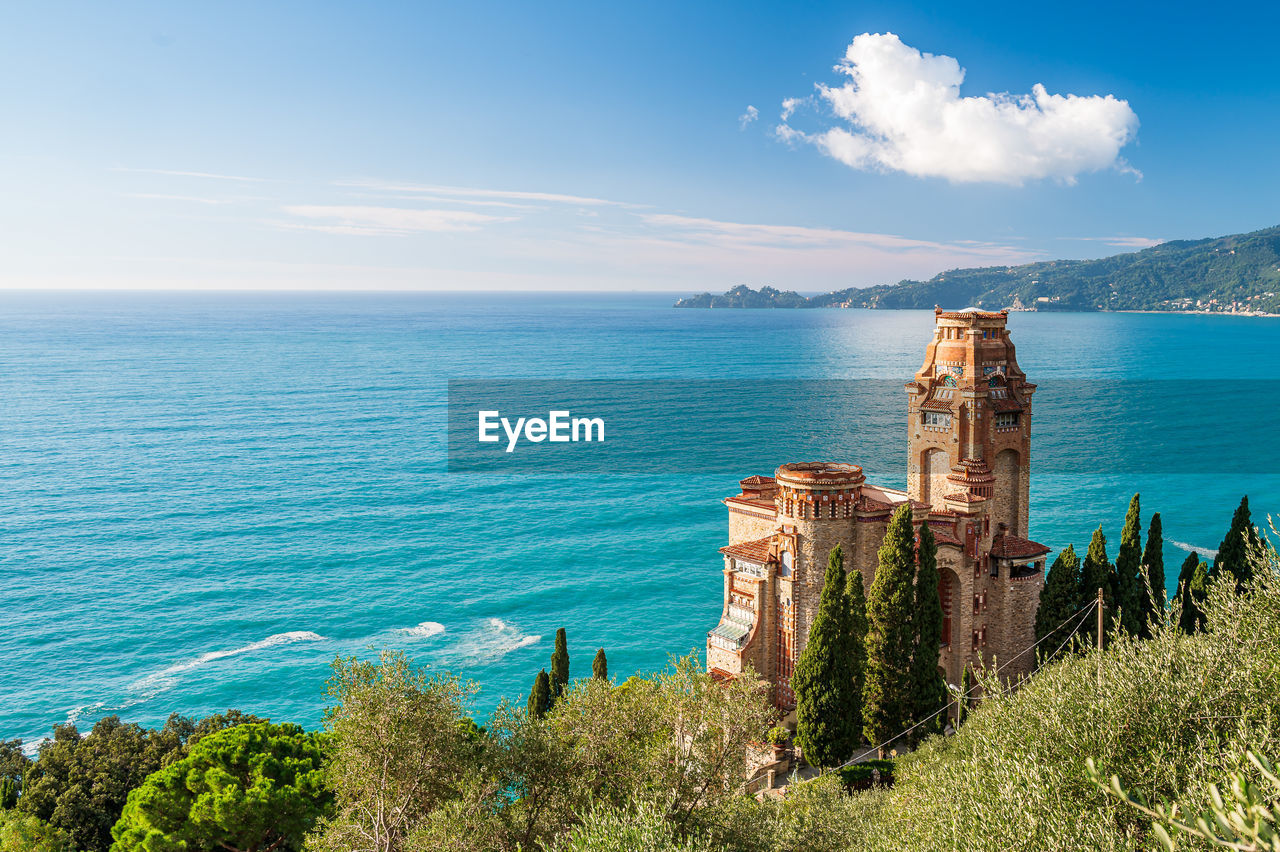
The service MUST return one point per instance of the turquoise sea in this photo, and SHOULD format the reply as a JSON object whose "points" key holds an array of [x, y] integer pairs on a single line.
{"points": [[205, 497]]}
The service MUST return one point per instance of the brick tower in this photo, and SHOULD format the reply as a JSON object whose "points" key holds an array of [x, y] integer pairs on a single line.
{"points": [[968, 476], [969, 418]]}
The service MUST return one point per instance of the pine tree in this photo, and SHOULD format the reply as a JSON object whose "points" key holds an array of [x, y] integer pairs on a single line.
{"points": [[600, 666], [1233, 553], [1097, 573], [1193, 588], [928, 687], [540, 696], [1129, 571], [1154, 595], [962, 703], [890, 634], [1059, 600], [823, 678], [856, 606], [560, 667]]}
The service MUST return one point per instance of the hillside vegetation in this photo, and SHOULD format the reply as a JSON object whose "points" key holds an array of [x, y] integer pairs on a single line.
{"points": [[656, 763], [1238, 273]]}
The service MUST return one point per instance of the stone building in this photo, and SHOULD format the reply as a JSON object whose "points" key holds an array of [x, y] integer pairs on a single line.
{"points": [[968, 475]]}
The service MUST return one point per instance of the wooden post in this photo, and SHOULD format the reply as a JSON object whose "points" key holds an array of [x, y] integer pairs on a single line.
{"points": [[1100, 620], [1100, 608]]}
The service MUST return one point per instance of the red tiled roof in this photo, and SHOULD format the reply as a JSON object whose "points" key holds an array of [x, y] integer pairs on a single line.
{"points": [[935, 405], [1006, 405], [751, 551], [963, 497], [1012, 547], [759, 502], [868, 504], [720, 675], [756, 480]]}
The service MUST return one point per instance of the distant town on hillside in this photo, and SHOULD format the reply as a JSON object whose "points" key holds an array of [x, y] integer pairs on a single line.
{"points": [[1237, 274]]}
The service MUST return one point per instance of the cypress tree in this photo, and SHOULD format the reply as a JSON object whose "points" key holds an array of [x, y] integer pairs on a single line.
{"points": [[1129, 571], [890, 634], [823, 677], [962, 705], [1233, 553], [560, 666], [1097, 573], [1154, 595], [1193, 587], [600, 666], [1199, 591], [928, 687], [1059, 599], [540, 696], [856, 606]]}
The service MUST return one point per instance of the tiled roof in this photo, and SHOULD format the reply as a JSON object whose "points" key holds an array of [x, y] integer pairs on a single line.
{"points": [[751, 551], [935, 405], [963, 497], [721, 676], [1012, 547], [1006, 405], [868, 504], [756, 480], [759, 502]]}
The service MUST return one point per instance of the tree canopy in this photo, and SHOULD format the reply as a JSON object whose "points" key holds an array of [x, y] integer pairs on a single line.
{"points": [[1128, 568], [928, 686], [890, 632], [1059, 600], [823, 680], [251, 788], [1154, 595]]}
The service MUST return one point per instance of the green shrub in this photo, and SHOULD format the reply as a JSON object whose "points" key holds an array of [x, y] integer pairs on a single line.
{"points": [[862, 776]]}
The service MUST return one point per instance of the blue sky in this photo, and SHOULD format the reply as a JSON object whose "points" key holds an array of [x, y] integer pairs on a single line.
{"points": [[604, 146]]}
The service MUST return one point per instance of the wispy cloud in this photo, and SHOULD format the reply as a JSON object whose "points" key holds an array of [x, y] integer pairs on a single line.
{"points": [[1121, 242], [741, 235], [474, 192], [903, 112], [177, 173], [195, 200], [386, 221], [747, 117]]}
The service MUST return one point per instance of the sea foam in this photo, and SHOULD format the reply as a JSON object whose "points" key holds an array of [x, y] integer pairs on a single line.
{"points": [[496, 639], [425, 630], [1204, 552]]}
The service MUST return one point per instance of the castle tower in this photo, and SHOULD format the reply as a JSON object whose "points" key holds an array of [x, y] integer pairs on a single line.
{"points": [[816, 506], [969, 418]]}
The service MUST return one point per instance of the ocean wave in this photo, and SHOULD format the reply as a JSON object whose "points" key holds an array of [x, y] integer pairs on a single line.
{"points": [[153, 684], [496, 639], [425, 630], [1204, 552]]}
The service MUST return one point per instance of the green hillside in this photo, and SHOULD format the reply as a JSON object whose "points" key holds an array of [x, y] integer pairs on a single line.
{"points": [[1233, 274]]}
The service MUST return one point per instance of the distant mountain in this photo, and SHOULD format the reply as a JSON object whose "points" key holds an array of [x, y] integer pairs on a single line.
{"points": [[744, 297], [1234, 274]]}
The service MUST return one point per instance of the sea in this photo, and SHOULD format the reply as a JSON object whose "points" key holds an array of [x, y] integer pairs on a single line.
{"points": [[206, 498]]}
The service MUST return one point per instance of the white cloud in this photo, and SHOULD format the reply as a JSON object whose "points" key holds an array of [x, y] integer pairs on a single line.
{"points": [[380, 221], [471, 192], [175, 173], [1121, 242], [904, 113], [789, 107], [747, 117]]}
